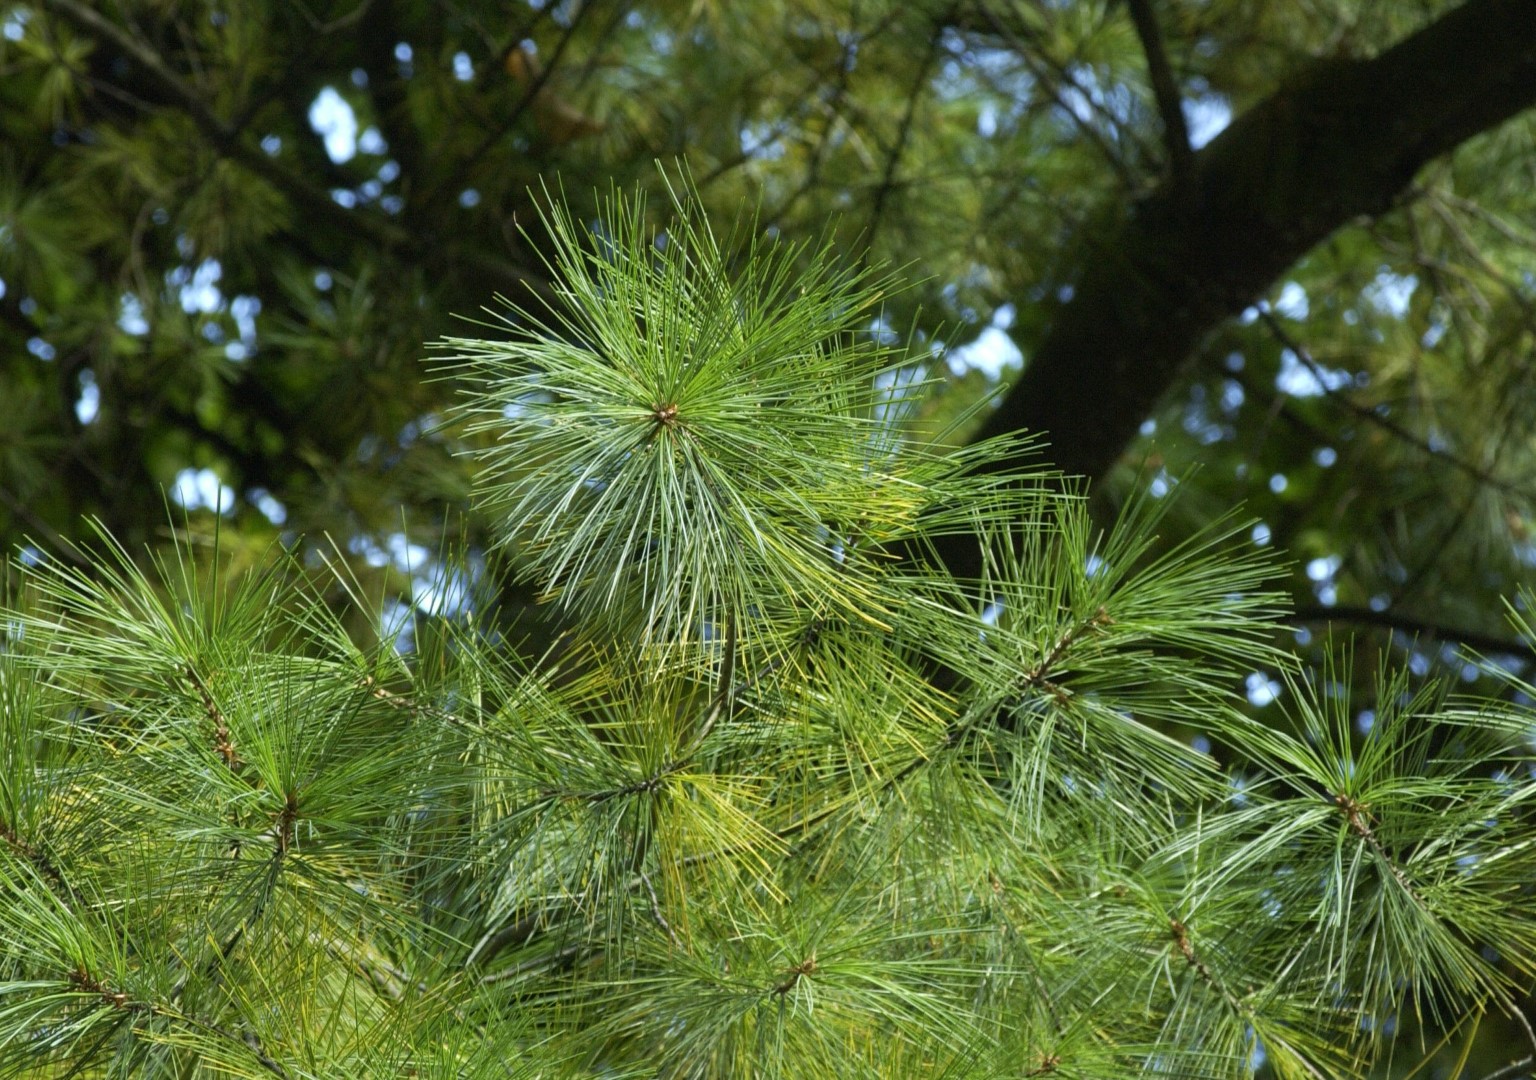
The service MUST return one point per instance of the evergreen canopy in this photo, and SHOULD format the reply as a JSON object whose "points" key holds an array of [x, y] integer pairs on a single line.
{"points": [[1287, 242]]}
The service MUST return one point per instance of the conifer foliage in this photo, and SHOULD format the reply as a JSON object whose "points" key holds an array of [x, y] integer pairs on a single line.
{"points": [[785, 799]]}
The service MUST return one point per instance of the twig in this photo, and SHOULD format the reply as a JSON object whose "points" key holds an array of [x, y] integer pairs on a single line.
{"points": [[1486, 643], [1526, 1064], [1481, 475], [903, 134], [558, 957], [1165, 90], [223, 742], [793, 975], [1180, 935], [1054, 84], [1523, 1067], [1523, 1020], [656, 911]]}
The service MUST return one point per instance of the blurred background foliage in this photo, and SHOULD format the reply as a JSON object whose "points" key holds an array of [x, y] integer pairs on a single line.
{"points": [[228, 229]]}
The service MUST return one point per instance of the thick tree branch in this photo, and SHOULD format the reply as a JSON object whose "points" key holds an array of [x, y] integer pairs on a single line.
{"points": [[1342, 141]]}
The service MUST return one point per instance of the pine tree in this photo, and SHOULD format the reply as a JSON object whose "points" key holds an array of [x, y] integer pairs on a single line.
{"points": [[785, 798]]}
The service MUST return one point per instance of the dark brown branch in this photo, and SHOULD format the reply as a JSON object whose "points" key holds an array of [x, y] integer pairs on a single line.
{"points": [[1165, 89], [1490, 644], [903, 135]]}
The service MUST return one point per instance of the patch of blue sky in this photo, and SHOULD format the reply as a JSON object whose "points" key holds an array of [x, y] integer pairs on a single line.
{"points": [[130, 315], [986, 120], [1299, 379], [372, 142], [1292, 302], [396, 551], [992, 352], [761, 140], [1261, 689], [14, 26], [1390, 293], [1086, 96], [1206, 117], [334, 121], [899, 389], [201, 489], [244, 310], [268, 504], [88, 404], [1324, 567], [445, 591], [199, 290]]}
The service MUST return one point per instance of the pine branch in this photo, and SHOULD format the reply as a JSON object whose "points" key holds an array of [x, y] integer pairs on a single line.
{"points": [[1053, 75], [1180, 935], [1483, 477], [450, 184], [708, 473], [1525, 1067], [226, 138]]}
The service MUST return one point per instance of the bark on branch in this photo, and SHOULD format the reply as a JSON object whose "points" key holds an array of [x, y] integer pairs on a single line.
{"points": [[1342, 141]]}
